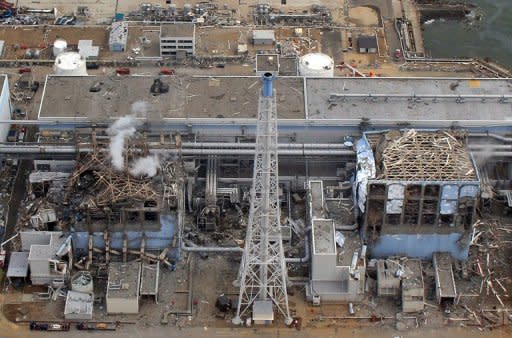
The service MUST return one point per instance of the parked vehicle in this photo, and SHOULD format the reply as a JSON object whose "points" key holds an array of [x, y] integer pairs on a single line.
{"points": [[40, 326]]}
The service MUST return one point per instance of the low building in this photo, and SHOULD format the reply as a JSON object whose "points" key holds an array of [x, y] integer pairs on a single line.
{"points": [[367, 44], [18, 266], [263, 37], [267, 63], [123, 288], [87, 50], [177, 37], [262, 312], [413, 287], [46, 256], [118, 36], [79, 306]]}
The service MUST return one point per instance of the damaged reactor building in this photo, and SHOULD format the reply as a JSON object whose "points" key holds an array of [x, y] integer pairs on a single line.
{"points": [[320, 184]]}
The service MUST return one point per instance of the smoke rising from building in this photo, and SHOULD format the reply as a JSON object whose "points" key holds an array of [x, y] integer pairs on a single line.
{"points": [[121, 129], [145, 166]]}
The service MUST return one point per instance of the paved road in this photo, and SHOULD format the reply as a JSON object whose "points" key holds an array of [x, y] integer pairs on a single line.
{"points": [[130, 331]]}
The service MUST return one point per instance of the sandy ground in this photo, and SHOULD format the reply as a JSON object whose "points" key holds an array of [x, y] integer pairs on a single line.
{"points": [[363, 16]]}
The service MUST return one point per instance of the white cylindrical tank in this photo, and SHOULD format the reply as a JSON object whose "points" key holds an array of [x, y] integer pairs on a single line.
{"points": [[70, 64], [316, 65], [59, 46]]}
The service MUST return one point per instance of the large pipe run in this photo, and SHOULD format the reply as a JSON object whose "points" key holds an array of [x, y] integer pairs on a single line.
{"points": [[66, 149]]}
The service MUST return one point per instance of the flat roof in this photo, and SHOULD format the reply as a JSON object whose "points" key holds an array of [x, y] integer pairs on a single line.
{"points": [[342, 101], [323, 236], [317, 198], [266, 34], [177, 30], [262, 310], [18, 265], [123, 280], [69, 98], [367, 41], [409, 99]]}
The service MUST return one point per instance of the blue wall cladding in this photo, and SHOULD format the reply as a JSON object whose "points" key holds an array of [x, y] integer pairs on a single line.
{"points": [[421, 245], [155, 240]]}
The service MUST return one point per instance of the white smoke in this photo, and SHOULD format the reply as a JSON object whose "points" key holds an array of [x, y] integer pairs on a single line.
{"points": [[140, 108], [145, 166], [121, 129]]}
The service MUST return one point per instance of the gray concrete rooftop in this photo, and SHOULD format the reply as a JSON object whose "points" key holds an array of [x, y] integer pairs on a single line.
{"points": [[123, 280], [69, 98], [180, 30], [323, 237], [341, 101], [392, 99]]}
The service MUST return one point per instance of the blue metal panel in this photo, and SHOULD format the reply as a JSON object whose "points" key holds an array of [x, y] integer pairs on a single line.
{"points": [[155, 240], [420, 245]]}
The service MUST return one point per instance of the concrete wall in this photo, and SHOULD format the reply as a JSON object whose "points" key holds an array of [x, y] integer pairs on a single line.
{"points": [[420, 245], [122, 305], [5, 110], [323, 267]]}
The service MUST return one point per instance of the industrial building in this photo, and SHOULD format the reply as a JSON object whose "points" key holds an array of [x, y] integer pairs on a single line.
{"points": [[5, 108], [118, 36], [414, 179], [48, 256], [177, 37], [367, 44], [123, 288], [263, 37], [377, 174]]}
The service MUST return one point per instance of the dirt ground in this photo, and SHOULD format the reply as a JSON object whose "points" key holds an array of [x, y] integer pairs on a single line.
{"points": [[363, 16]]}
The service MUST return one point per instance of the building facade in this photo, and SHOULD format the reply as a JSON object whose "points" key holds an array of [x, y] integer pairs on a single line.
{"points": [[177, 37]]}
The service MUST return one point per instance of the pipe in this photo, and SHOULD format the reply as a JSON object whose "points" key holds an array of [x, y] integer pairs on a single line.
{"points": [[343, 227], [495, 136], [42, 149], [238, 145], [8, 240], [267, 90], [306, 257], [489, 147], [192, 247]]}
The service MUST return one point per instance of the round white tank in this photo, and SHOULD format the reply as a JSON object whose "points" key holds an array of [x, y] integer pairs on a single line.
{"points": [[70, 64], [59, 46], [316, 65]]}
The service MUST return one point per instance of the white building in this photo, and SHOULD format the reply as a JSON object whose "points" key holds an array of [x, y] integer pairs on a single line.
{"points": [[46, 250], [263, 37], [177, 37], [123, 288], [5, 108]]}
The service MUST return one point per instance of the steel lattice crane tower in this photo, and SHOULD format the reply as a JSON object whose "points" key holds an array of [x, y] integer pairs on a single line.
{"points": [[262, 275]]}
